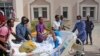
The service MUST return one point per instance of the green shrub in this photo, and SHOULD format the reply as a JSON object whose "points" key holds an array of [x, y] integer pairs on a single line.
{"points": [[48, 25], [33, 24]]}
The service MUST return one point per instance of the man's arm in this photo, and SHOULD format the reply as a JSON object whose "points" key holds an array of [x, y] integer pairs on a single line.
{"points": [[29, 32], [37, 30], [53, 26], [3, 48], [2, 39], [74, 28], [92, 25], [47, 28], [14, 34]]}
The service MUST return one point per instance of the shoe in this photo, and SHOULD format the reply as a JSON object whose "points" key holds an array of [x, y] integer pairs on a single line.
{"points": [[86, 43], [83, 53], [91, 44]]}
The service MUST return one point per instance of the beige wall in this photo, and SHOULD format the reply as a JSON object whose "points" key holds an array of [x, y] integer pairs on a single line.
{"points": [[25, 2], [89, 2], [34, 2], [55, 7], [98, 10], [18, 6], [72, 9], [39, 2]]}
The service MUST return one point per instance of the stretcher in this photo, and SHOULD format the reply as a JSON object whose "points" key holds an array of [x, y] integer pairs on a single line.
{"points": [[47, 47]]}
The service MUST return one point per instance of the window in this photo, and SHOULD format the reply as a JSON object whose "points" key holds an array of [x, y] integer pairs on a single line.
{"points": [[36, 13], [44, 12], [1, 4], [6, 8], [65, 12], [91, 11], [84, 11], [40, 12], [8, 4]]}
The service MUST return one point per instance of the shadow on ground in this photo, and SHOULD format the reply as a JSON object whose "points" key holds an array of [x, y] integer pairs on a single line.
{"points": [[89, 53]]}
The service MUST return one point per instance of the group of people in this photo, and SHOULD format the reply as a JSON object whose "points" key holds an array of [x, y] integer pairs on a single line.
{"points": [[84, 28], [23, 33], [55, 30]]}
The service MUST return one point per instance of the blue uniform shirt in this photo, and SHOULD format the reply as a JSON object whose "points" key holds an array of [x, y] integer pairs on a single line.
{"points": [[22, 32], [81, 26]]}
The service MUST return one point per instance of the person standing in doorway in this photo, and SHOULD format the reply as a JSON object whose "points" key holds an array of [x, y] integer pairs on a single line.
{"points": [[89, 28]]}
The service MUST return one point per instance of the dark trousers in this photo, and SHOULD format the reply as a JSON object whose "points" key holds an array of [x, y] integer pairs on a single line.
{"points": [[2, 52], [89, 34]]}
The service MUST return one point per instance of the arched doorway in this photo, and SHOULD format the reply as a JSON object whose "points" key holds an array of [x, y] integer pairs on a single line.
{"points": [[40, 8], [89, 8]]}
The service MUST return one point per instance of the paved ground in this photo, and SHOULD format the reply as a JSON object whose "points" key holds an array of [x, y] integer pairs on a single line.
{"points": [[94, 50]]}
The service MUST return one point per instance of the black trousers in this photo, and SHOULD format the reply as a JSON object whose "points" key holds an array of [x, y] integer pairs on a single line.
{"points": [[2, 52], [89, 35]]}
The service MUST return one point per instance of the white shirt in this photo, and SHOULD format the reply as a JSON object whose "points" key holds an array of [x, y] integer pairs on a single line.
{"points": [[56, 25]]}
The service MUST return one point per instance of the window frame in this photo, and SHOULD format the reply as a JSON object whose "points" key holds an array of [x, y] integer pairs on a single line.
{"points": [[84, 11], [67, 11], [7, 8], [44, 11], [35, 11], [40, 11]]}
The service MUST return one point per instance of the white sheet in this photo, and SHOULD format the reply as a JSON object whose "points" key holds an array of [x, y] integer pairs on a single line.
{"points": [[46, 46]]}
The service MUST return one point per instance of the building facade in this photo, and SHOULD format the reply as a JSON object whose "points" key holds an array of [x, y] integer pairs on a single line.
{"points": [[49, 8], [6, 6]]}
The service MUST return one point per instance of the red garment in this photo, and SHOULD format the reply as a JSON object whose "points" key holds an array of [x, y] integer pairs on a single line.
{"points": [[2, 19], [5, 32]]}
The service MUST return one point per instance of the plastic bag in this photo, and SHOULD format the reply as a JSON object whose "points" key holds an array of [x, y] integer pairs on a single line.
{"points": [[27, 47]]}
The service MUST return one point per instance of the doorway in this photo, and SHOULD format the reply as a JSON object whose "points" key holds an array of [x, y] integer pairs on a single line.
{"points": [[88, 11]]}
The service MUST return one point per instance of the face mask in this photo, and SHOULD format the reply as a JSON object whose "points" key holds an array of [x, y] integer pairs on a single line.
{"points": [[78, 20]]}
